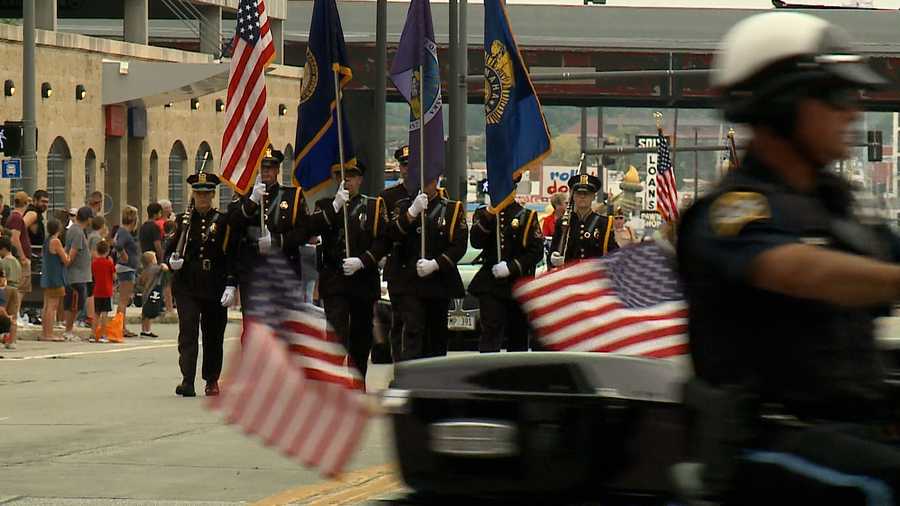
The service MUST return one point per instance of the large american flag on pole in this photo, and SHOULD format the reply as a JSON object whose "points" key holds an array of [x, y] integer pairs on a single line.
{"points": [[667, 201], [291, 383], [246, 135], [628, 302]]}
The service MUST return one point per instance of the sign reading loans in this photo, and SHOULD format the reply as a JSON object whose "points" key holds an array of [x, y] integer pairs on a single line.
{"points": [[650, 194]]}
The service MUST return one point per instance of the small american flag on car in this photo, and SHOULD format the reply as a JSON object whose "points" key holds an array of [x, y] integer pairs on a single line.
{"points": [[291, 383], [629, 302]]}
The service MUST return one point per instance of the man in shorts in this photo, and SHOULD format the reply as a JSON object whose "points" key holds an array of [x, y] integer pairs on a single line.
{"points": [[78, 272]]}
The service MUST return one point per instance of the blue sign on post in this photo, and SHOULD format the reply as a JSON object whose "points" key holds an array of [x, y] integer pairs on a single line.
{"points": [[12, 168]]}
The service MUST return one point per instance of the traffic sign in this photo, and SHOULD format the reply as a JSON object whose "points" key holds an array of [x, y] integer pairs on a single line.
{"points": [[12, 168]]}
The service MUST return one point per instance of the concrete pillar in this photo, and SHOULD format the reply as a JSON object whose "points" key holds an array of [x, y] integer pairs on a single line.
{"points": [[277, 27], [115, 181], [137, 21], [136, 181], [45, 14], [210, 29]]}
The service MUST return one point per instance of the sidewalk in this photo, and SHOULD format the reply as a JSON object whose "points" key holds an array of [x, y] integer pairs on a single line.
{"points": [[132, 317]]}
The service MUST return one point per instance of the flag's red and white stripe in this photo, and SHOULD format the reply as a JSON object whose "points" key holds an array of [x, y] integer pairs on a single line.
{"points": [[577, 309], [667, 203], [318, 349], [246, 133], [317, 423]]}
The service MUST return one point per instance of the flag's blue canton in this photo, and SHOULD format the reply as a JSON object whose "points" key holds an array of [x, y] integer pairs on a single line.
{"points": [[274, 289], [643, 276], [664, 160], [248, 21]]}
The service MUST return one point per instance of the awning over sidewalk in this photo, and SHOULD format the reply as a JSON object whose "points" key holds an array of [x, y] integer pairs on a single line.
{"points": [[147, 84]]}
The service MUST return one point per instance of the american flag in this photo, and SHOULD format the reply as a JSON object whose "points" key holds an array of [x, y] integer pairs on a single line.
{"points": [[246, 119], [628, 302], [291, 384], [667, 203]]}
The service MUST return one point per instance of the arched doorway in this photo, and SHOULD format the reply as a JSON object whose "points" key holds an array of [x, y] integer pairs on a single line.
{"points": [[154, 176], [287, 166], [59, 165], [177, 162], [90, 172]]}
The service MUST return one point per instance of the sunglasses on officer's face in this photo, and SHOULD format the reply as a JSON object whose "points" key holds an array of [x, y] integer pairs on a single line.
{"points": [[620, 217]]}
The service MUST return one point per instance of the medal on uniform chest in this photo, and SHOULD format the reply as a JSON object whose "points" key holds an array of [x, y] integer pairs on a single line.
{"points": [[441, 221], [587, 235], [362, 218], [284, 204], [515, 223], [596, 234]]}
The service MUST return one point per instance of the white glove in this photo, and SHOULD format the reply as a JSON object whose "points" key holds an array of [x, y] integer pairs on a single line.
{"points": [[351, 265], [265, 242], [341, 197], [500, 270], [419, 204], [259, 191], [176, 263], [556, 259], [228, 296], [426, 267]]}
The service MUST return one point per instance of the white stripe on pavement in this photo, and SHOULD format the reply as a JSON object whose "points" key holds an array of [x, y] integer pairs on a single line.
{"points": [[170, 344]]}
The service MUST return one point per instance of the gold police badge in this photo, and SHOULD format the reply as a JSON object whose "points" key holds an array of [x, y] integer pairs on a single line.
{"points": [[731, 212], [310, 77], [498, 80]]}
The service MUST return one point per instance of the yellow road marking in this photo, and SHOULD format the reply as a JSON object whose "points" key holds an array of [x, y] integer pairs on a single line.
{"points": [[350, 488]]}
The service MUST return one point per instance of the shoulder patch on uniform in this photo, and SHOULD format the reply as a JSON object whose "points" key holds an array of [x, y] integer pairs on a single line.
{"points": [[731, 212]]}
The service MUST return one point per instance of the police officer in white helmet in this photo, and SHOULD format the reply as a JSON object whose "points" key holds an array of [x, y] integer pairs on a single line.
{"points": [[784, 282]]}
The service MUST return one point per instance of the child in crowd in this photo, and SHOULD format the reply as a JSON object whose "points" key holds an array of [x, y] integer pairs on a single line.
{"points": [[104, 271], [12, 270], [151, 291], [53, 278], [95, 234]]}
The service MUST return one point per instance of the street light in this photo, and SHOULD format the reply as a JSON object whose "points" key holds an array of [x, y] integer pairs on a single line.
{"points": [[80, 92], [9, 88], [46, 90]]}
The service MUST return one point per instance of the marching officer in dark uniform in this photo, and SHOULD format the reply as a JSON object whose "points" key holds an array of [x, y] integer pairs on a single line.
{"points": [[203, 261], [424, 286], [283, 213], [349, 285], [521, 245], [785, 281], [584, 233], [392, 196]]}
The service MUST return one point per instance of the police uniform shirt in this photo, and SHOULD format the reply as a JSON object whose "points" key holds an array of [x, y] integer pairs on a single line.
{"points": [[208, 266], [810, 356], [521, 242], [588, 238]]}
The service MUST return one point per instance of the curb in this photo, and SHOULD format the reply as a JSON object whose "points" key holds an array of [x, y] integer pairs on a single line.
{"points": [[33, 333]]}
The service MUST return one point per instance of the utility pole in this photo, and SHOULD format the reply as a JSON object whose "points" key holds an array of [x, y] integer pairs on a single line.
{"points": [[29, 157]]}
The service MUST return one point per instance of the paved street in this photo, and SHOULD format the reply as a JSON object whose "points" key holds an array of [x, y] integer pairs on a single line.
{"points": [[100, 424]]}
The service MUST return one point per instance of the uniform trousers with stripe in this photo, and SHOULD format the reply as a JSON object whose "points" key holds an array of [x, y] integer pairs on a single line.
{"points": [[352, 319], [196, 315], [424, 326], [499, 317]]}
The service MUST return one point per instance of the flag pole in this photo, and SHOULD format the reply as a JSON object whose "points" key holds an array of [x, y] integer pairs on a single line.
{"points": [[422, 147], [340, 129], [499, 250]]}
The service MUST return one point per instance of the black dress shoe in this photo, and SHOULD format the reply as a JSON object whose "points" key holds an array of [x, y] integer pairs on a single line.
{"points": [[212, 388], [185, 390]]}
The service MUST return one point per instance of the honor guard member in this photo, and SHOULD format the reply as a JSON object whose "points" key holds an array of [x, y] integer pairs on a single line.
{"points": [[521, 245], [283, 213], [586, 233], [424, 286], [785, 281], [204, 264], [349, 285], [392, 196]]}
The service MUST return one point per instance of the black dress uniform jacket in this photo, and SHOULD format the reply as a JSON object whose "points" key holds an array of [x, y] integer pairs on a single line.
{"points": [[588, 238], [285, 211], [816, 359], [367, 220], [521, 242], [446, 240], [209, 260]]}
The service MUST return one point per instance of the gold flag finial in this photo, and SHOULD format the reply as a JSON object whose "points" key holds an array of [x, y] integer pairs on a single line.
{"points": [[731, 133], [658, 116]]}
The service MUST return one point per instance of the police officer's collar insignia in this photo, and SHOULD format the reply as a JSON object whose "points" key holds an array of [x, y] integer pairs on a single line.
{"points": [[499, 81], [284, 204], [731, 212]]}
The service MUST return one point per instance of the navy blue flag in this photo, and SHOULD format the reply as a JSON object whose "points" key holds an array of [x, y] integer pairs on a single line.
{"points": [[418, 51], [516, 132], [317, 135]]}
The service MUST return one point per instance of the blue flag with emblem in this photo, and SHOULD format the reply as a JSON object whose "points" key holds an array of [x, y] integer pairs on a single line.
{"points": [[317, 135], [516, 132], [417, 50]]}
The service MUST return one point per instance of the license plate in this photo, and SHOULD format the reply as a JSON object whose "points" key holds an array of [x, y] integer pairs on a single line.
{"points": [[460, 322], [474, 438]]}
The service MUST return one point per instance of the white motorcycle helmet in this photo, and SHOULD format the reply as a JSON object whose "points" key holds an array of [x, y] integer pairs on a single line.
{"points": [[767, 62]]}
